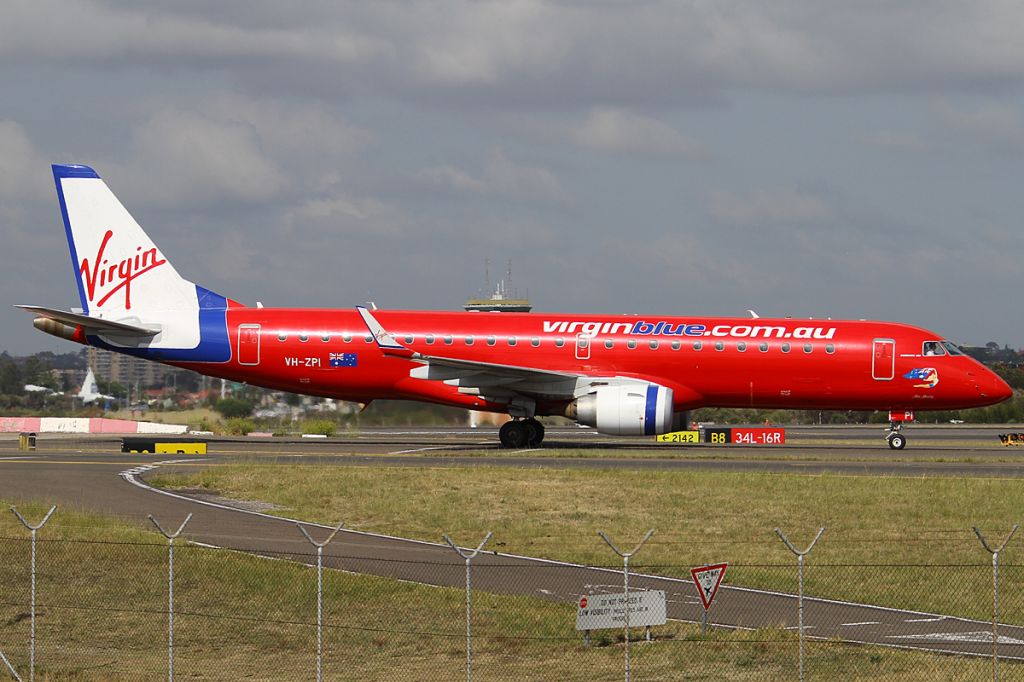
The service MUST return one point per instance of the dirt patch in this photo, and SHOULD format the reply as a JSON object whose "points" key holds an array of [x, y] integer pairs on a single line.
{"points": [[204, 495]]}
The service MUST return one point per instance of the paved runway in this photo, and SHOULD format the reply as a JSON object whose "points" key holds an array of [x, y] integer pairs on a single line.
{"points": [[91, 474]]}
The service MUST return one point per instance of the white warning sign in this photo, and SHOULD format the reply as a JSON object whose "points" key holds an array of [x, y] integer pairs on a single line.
{"points": [[599, 611], [707, 579]]}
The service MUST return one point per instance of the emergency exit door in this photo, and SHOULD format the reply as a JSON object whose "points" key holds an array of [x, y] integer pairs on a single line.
{"points": [[249, 344], [582, 346], [883, 360]]}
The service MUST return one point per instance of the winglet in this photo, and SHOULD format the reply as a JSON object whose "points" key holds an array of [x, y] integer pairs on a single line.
{"points": [[385, 341]]}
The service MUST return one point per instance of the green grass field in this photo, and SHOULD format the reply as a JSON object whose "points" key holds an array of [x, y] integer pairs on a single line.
{"points": [[102, 616], [901, 542]]}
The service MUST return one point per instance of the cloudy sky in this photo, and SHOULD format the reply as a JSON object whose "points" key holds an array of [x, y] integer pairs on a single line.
{"points": [[797, 157]]}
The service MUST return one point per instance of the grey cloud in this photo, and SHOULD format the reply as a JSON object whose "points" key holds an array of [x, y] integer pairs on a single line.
{"points": [[768, 206], [897, 141], [616, 130], [499, 176], [181, 158], [994, 124], [24, 173], [546, 53]]}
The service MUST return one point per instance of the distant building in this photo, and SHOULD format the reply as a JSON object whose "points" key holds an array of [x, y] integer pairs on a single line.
{"points": [[499, 301], [128, 370]]}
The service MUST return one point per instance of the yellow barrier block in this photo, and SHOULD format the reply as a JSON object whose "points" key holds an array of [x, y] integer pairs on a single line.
{"points": [[680, 437], [180, 448]]}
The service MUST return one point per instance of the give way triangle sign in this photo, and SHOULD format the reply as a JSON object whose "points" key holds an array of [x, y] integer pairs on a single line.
{"points": [[707, 579]]}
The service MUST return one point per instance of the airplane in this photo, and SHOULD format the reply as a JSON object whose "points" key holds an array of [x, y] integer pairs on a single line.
{"points": [[622, 375], [33, 388], [90, 391]]}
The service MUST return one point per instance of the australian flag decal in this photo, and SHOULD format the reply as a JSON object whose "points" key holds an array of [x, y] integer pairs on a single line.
{"points": [[343, 360]]}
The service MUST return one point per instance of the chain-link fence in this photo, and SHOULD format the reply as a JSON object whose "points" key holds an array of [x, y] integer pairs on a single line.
{"points": [[103, 602]]}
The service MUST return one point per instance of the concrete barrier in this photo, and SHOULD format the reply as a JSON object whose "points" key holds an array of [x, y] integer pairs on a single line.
{"points": [[84, 425]]}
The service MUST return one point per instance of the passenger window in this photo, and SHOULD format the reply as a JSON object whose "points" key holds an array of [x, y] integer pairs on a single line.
{"points": [[512, 341], [697, 345], [741, 347], [303, 338], [807, 348], [653, 345], [282, 337], [719, 345], [491, 340], [559, 342], [830, 348], [469, 340], [535, 342], [676, 345], [763, 347], [448, 340], [408, 338], [609, 344], [325, 337], [933, 348], [347, 338], [368, 338], [786, 347], [631, 344], [429, 339]]}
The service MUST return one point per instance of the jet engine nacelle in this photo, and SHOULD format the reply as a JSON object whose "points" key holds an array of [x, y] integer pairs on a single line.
{"points": [[625, 410]]}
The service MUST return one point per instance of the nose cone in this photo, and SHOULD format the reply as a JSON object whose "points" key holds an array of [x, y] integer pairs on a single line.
{"points": [[997, 390]]}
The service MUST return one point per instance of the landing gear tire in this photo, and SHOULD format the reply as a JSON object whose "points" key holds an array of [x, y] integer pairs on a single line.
{"points": [[535, 430], [514, 434], [897, 441]]}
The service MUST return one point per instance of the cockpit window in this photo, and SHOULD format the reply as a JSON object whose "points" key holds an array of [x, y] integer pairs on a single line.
{"points": [[934, 348], [952, 348]]}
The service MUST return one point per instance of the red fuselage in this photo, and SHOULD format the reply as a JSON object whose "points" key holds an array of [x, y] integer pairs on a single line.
{"points": [[722, 362]]}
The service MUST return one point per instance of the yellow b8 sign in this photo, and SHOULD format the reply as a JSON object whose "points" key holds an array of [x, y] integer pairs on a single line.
{"points": [[680, 437]]}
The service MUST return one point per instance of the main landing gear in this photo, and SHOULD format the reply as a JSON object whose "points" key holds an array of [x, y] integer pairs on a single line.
{"points": [[521, 433], [896, 440]]}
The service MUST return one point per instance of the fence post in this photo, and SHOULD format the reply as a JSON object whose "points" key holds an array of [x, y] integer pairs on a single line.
{"points": [[995, 594], [625, 581], [170, 589], [320, 595], [800, 598], [468, 556], [32, 635], [10, 668]]}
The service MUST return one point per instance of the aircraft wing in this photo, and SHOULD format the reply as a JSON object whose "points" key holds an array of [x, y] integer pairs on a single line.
{"points": [[91, 324], [487, 379]]}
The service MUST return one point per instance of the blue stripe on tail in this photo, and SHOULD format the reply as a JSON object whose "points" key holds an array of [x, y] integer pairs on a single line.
{"points": [[214, 345], [60, 172]]}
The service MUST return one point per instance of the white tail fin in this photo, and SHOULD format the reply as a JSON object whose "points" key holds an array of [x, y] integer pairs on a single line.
{"points": [[90, 391], [120, 271], [123, 277]]}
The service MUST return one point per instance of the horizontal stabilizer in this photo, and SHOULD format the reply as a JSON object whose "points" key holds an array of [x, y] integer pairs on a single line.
{"points": [[92, 324]]}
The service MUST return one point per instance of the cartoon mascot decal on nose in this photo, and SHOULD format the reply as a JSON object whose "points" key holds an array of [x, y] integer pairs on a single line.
{"points": [[928, 376]]}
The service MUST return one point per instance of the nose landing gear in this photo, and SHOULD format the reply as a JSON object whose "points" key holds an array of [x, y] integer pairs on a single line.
{"points": [[896, 440], [520, 433]]}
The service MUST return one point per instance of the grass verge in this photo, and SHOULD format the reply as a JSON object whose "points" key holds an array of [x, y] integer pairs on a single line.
{"points": [[102, 616], [899, 542]]}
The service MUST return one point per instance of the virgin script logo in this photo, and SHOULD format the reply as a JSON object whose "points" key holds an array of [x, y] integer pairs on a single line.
{"points": [[110, 278]]}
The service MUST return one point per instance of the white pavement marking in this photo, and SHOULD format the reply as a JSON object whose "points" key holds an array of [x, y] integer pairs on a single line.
{"points": [[979, 637], [925, 620], [406, 452], [20, 457], [867, 622]]}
